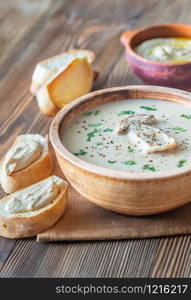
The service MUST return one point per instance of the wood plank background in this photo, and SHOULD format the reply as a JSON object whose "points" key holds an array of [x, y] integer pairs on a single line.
{"points": [[32, 30]]}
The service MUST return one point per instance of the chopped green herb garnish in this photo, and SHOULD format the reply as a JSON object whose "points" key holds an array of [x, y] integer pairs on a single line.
{"points": [[108, 130], [186, 116], [92, 134], [129, 162], [148, 108], [111, 161], [87, 113], [130, 150], [126, 112], [81, 152], [179, 129], [99, 144], [181, 163], [150, 168], [95, 124]]}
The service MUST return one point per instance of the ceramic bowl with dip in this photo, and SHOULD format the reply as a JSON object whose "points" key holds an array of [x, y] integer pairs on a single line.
{"points": [[161, 54], [121, 170]]}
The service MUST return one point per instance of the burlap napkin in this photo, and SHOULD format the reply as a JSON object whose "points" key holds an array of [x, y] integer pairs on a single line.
{"points": [[85, 221]]}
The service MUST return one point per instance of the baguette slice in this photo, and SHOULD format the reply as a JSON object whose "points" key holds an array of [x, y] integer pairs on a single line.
{"points": [[27, 162], [69, 83], [126, 123], [150, 139], [46, 69], [34, 209]]}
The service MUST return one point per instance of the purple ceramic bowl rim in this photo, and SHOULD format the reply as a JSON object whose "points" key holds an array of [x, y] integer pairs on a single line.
{"points": [[135, 32]]}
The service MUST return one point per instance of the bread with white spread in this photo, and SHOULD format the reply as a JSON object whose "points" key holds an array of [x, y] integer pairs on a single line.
{"points": [[27, 162], [34, 209]]}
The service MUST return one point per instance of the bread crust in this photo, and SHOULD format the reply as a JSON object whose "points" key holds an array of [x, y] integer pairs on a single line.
{"points": [[38, 170], [45, 104], [21, 226]]}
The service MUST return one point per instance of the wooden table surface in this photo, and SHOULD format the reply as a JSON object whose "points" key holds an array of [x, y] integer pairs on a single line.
{"points": [[32, 30]]}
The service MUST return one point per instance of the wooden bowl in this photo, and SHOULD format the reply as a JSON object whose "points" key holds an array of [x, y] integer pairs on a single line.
{"points": [[158, 73], [119, 191]]}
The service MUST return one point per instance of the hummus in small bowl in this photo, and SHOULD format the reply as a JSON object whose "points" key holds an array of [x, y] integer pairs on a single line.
{"points": [[171, 50], [160, 55]]}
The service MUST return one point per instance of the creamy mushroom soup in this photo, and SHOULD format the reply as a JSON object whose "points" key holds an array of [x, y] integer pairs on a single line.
{"points": [[132, 135], [172, 50]]}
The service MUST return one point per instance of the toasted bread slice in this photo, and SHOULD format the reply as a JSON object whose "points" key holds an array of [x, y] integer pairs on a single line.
{"points": [[32, 210], [46, 69], [68, 84], [150, 139], [27, 161], [126, 123]]}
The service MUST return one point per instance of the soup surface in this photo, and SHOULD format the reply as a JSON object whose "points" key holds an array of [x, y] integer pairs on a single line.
{"points": [[93, 136], [171, 50]]}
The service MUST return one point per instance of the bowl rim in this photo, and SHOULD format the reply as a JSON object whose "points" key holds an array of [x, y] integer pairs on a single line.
{"points": [[102, 171], [135, 32]]}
